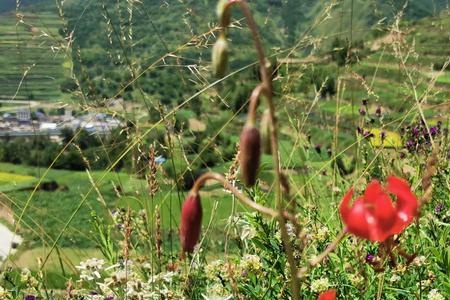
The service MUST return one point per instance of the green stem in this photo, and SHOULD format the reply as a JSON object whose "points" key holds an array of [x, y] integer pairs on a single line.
{"points": [[267, 87]]}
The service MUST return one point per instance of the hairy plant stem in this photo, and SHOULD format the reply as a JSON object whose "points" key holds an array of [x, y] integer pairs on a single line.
{"points": [[227, 185], [266, 87]]}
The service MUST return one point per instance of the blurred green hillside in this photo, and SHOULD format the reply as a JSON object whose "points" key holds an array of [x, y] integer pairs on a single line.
{"points": [[111, 48]]}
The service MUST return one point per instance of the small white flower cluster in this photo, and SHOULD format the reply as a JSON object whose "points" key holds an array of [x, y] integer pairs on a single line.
{"points": [[217, 292], [356, 279], [251, 264], [4, 294], [28, 279], [320, 285], [215, 268], [435, 295], [322, 234], [394, 278], [90, 269], [420, 261]]}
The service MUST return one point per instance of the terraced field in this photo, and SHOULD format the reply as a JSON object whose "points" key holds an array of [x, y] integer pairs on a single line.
{"points": [[31, 61], [400, 70], [424, 49]]}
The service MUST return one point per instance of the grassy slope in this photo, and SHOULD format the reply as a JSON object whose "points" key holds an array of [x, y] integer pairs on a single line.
{"points": [[31, 63]]}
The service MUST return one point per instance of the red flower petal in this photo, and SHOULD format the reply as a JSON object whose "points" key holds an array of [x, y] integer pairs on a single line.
{"points": [[372, 192], [357, 220], [407, 204], [328, 295], [384, 212]]}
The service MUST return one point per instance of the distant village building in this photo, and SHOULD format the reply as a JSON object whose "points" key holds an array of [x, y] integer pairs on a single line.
{"points": [[23, 116], [67, 114], [7, 117]]}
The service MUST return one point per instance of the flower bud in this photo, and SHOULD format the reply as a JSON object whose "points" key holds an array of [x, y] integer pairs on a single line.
{"points": [[220, 56], [191, 222], [265, 132], [223, 12], [250, 145]]}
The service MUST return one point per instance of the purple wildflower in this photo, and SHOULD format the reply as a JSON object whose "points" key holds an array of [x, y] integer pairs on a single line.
{"points": [[378, 111], [368, 134], [439, 208], [409, 144], [402, 155], [434, 130], [383, 135], [415, 132], [360, 130], [30, 297], [362, 111], [370, 258]]}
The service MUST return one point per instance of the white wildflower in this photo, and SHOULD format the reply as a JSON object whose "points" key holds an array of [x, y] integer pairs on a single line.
{"points": [[395, 278], [424, 283], [248, 232], [4, 294], [322, 233], [251, 263], [320, 285], [217, 292], [435, 295], [419, 260], [356, 279], [90, 269], [168, 276], [213, 268]]}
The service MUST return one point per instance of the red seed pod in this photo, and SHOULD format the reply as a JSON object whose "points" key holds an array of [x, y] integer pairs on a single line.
{"points": [[250, 145], [191, 222]]}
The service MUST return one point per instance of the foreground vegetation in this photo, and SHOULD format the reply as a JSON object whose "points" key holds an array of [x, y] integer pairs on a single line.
{"points": [[100, 215]]}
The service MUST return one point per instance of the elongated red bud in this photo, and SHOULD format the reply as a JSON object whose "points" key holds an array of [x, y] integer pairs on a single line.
{"points": [[220, 57], [265, 132], [191, 222], [249, 157]]}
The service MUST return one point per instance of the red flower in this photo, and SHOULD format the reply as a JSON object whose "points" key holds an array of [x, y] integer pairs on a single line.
{"points": [[328, 295], [375, 217], [191, 222]]}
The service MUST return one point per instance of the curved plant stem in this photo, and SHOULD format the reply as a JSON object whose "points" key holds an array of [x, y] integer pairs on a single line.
{"points": [[244, 199], [317, 260], [267, 88], [253, 103]]}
